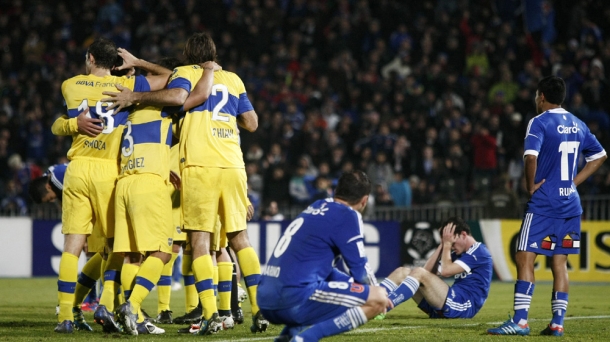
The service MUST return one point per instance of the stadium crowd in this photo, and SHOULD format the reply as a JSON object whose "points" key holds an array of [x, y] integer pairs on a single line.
{"points": [[430, 98]]}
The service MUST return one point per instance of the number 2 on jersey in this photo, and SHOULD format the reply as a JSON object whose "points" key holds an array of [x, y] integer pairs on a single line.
{"points": [[106, 116], [223, 101], [566, 148]]}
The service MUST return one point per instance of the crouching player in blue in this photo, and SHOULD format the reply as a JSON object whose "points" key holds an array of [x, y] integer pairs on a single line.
{"points": [[459, 255], [300, 287]]}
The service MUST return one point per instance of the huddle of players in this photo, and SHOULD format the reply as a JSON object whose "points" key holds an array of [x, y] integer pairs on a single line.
{"points": [[124, 210]]}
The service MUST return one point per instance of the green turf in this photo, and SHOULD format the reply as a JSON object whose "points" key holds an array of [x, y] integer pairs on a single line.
{"points": [[27, 312]]}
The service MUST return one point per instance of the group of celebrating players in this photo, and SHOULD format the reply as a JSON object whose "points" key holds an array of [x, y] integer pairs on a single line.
{"points": [[124, 175]]}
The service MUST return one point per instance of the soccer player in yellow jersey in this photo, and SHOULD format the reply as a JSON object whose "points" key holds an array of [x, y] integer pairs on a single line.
{"points": [[88, 196], [144, 223], [210, 159]]}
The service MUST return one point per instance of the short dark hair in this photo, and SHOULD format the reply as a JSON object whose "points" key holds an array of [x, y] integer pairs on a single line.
{"points": [[170, 63], [200, 48], [105, 53], [352, 186], [38, 189], [553, 88], [460, 225]]}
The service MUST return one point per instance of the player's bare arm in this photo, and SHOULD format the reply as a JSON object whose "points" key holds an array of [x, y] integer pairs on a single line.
{"points": [[157, 75], [530, 173], [248, 121], [203, 88], [589, 169], [449, 268], [432, 262], [82, 124]]}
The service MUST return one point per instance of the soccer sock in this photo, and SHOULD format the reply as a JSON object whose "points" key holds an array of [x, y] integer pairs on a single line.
{"points": [[404, 291], [388, 285], [66, 284], [164, 286], [215, 280], [112, 280], [190, 292], [128, 277], [350, 319], [225, 272], [559, 305], [147, 277], [204, 273], [87, 278], [234, 300], [523, 298], [251, 269]]}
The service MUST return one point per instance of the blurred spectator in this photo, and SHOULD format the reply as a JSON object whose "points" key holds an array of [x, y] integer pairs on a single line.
{"points": [[400, 191], [272, 212], [13, 202], [322, 188], [382, 197], [299, 194], [380, 172]]}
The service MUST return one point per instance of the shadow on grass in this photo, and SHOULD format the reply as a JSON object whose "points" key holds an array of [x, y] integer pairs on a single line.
{"points": [[21, 324]]}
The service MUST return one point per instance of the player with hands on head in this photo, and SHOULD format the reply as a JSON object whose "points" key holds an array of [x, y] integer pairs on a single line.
{"points": [[460, 256]]}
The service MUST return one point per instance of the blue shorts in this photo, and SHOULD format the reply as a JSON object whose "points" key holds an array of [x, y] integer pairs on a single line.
{"points": [[549, 236], [329, 300], [457, 305]]}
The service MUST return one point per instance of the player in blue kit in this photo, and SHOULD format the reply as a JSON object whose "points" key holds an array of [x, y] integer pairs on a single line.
{"points": [[554, 141], [302, 289], [460, 256], [50, 185]]}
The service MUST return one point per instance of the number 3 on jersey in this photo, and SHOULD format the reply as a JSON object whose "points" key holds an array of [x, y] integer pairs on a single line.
{"points": [[106, 116]]}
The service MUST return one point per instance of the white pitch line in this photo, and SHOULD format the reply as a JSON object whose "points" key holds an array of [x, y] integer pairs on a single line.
{"points": [[566, 318], [357, 331]]}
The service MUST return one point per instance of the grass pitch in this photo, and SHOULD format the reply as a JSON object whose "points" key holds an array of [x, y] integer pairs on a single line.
{"points": [[27, 313]]}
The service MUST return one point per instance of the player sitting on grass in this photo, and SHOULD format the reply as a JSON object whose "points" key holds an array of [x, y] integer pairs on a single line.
{"points": [[459, 255]]}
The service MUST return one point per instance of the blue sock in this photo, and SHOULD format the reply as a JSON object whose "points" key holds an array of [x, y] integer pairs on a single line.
{"points": [[559, 305], [404, 291], [523, 298], [350, 319], [388, 285]]}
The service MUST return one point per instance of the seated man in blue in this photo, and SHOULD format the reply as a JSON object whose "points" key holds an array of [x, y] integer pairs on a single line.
{"points": [[49, 186], [458, 255], [302, 289]]}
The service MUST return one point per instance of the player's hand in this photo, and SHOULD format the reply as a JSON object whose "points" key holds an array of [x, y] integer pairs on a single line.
{"points": [[119, 100], [210, 64], [449, 233], [129, 60], [536, 187], [87, 125], [174, 178], [389, 306], [249, 212]]}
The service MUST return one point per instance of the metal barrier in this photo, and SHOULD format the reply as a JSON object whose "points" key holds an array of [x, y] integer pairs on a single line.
{"points": [[595, 208]]}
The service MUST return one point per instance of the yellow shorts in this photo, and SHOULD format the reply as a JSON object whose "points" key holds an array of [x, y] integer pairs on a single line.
{"points": [[143, 215], [179, 235], [88, 197], [208, 192], [96, 243]]}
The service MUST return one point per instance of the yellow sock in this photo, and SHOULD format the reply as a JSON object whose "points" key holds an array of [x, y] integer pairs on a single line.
{"points": [[112, 280], [164, 286], [204, 273], [190, 292], [87, 278], [128, 278], [66, 284], [147, 277], [215, 280], [225, 275], [251, 270]]}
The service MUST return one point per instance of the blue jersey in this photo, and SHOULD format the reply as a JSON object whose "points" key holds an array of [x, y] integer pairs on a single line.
{"points": [[304, 255], [558, 139], [57, 173], [476, 278]]}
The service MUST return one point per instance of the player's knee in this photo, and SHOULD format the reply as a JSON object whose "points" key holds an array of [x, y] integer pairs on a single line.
{"points": [[399, 274], [418, 273], [238, 240], [378, 298]]}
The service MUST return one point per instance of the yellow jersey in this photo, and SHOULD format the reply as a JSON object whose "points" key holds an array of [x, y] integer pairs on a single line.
{"points": [[85, 91], [209, 135], [146, 140]]}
